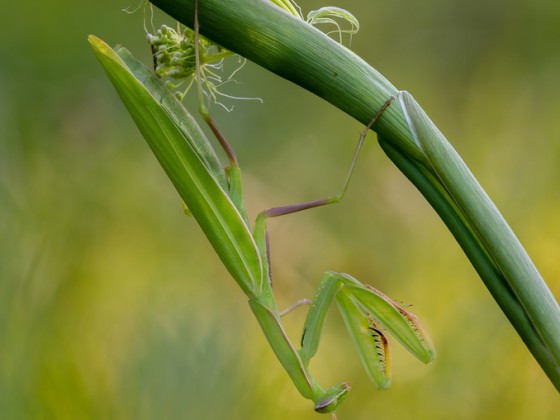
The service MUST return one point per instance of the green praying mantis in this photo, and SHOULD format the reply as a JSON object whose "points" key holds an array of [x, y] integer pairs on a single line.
{"points": [[214, 196]]}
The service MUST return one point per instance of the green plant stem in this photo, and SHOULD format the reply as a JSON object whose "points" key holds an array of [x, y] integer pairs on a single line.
{"points": [[483, 263], [287, 46]]}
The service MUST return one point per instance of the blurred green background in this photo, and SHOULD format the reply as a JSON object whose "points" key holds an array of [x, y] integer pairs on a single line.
{"points": [[112, 303]]}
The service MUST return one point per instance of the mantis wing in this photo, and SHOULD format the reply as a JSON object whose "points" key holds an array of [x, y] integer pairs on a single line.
{"points": [[182, 160]]}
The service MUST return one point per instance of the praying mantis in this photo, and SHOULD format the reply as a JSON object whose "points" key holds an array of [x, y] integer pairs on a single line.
{"points": [[214, 196]]}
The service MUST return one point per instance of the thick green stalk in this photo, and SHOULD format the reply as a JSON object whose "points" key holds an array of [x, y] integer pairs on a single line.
{"points": [[287, 46], [483, 263]]}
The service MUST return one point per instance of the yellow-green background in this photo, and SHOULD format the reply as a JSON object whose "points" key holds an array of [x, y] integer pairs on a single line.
{"points": [[113, 305]]}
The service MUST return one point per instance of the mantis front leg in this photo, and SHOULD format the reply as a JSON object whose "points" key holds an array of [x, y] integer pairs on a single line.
{"points": [[366, 313]]}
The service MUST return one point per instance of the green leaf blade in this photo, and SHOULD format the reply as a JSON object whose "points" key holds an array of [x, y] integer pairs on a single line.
{"points": [[490, 227]]}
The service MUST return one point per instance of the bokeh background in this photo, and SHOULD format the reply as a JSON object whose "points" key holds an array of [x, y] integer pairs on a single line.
{"points": [[112, 303]]}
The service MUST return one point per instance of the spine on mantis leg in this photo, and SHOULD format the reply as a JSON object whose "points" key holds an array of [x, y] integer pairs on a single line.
{"points": [[372, 345], [367, 313]]}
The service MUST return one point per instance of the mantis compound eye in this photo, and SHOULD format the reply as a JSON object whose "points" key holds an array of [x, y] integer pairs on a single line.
{"points": [[332, 398]]}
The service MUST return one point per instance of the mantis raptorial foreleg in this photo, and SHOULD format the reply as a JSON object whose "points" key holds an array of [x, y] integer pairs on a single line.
{"points": [[366, 312]]}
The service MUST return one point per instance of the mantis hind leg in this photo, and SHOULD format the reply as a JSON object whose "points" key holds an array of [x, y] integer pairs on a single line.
{"points": [[294, 208], [260, 232]]}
